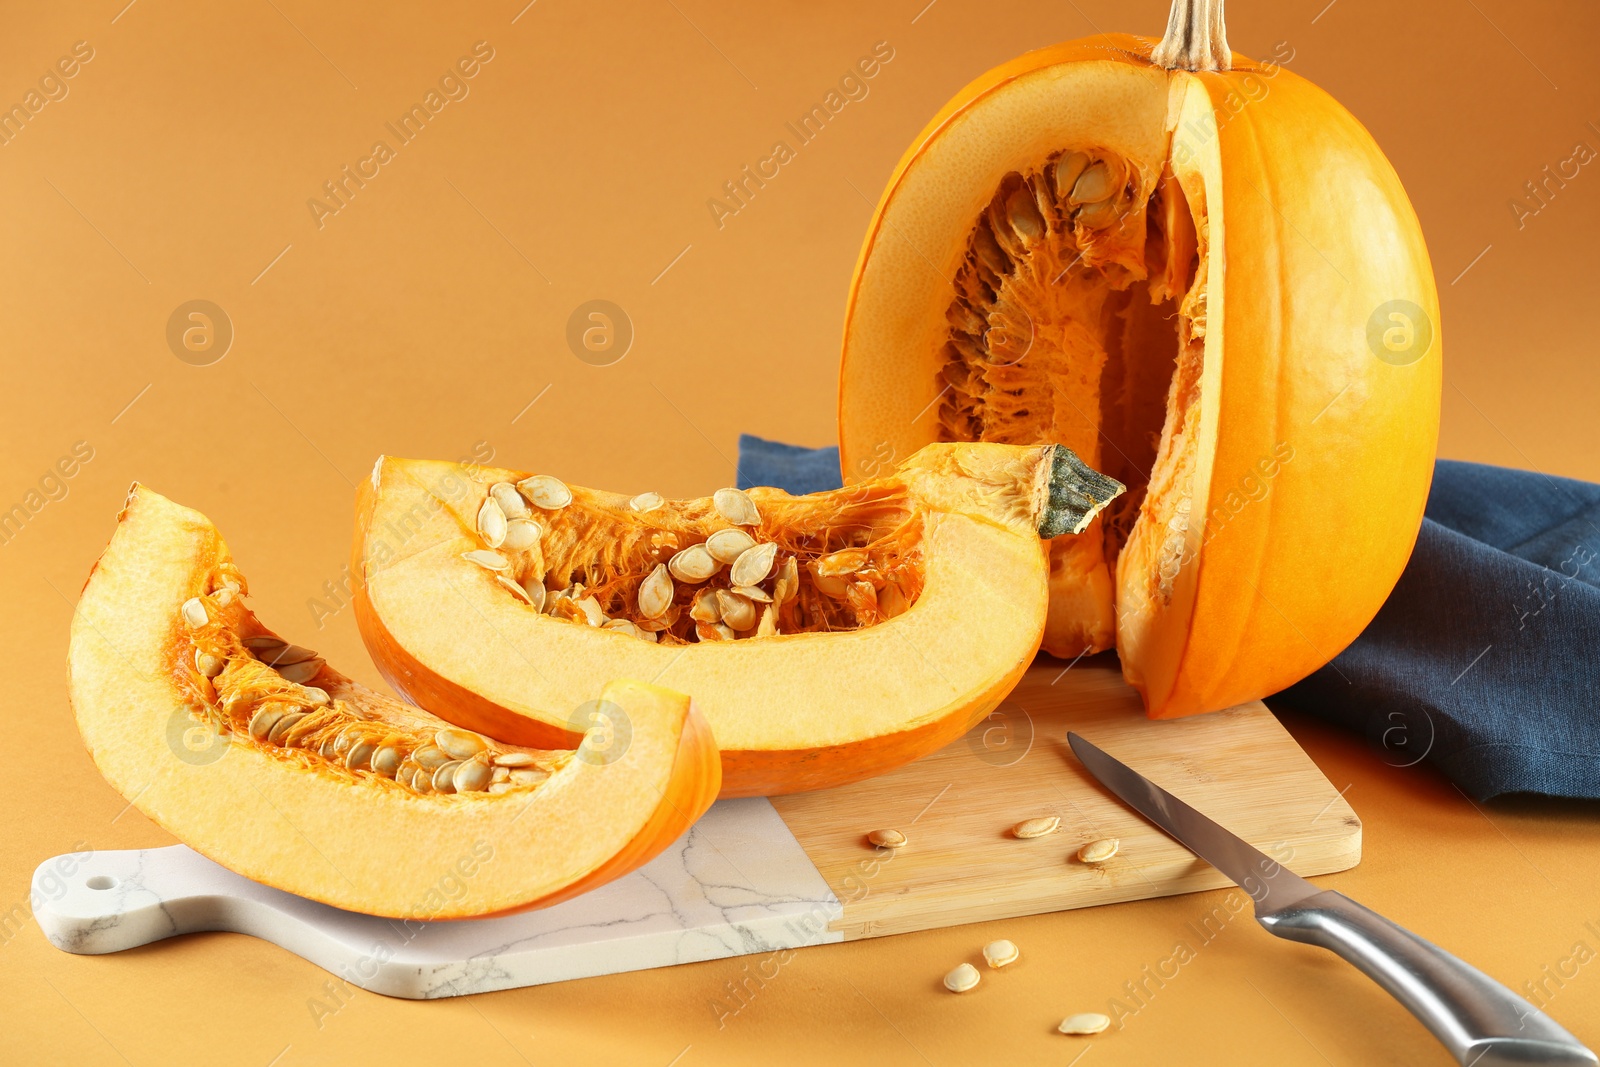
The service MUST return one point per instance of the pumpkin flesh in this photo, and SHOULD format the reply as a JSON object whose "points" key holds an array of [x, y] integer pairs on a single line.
{"points": [[275, 770], [853, 680], [1196, 327]]}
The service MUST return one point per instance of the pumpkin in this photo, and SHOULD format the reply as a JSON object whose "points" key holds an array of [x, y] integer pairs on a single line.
{"points": [[1200, 273], [826, 638], [256, 753]]}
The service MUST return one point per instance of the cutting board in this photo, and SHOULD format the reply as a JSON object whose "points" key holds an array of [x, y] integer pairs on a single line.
{"points": [[757, 876]]}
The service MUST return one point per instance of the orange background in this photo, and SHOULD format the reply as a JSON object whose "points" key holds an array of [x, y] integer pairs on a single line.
{"points": [[428, 313]]}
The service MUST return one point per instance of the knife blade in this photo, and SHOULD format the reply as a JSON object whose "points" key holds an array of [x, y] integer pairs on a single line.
{"points": [[1480, 1021]]}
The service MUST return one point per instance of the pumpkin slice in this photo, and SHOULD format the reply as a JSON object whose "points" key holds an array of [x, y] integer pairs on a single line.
{"points": [[1201, 273], [826, 637], [256, 753]]}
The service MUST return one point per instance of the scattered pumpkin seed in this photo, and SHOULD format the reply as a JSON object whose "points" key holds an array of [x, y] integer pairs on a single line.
{"points": [[1030, 828], [962, 978], [444, 779], [646, 502], [1099, 851], [1086, 1022], [1000, 953], [693, 564], [302, 672], [460, 744], [887, 838], [472, 777], [208, 665], [513, 759]]}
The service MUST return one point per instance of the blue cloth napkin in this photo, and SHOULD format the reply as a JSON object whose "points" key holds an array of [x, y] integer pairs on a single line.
{"points": [[1485, 661]]}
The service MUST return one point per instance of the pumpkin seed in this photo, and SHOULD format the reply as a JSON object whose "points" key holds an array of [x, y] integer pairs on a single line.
{"points": [[208, 665], [769, 622], [359, 758], [194, 612], [430, 757], [283, 726], [259, 643], [646, 502], [1099, 851], [496, 788], [521, 534], [592, 612], [1064, 175], [1093, 185], [845, 561], [753, 592], [422, 781], [546, 491], [754, 564], [286, 655], [1030, 828], [656, 593], [514, 588], [316, 697], [887, 838], [505, 494], [265, 718], [302, 672], [444, 779], [386, 761], [522, 776], [513, 759], [726, 545], [737, 611], [472, 777], [831, 585], [492, 561], [998, 954], [705, 607], [964, 977], [694, 564], [500, 774], [736, 506], [1086, 1022], [1024, 216], [460, 744], [535, 592], [492, 523], [892, 601]]}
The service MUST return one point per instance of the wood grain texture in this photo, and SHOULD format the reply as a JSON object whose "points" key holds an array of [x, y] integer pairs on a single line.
{"points": [[961, 863]]}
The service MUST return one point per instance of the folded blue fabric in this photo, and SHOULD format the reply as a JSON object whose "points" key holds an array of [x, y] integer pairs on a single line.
{"points": [[1485, 660]]}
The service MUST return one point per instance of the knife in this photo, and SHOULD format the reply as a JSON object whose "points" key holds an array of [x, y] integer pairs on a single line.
{"points": [[1480, 1021]]}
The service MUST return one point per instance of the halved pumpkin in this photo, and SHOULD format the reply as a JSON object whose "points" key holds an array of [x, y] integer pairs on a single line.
{"points": [[826, 637], [1200, 273], [256, 753]]}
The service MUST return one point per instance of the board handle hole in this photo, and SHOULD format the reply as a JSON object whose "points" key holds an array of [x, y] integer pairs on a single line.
{"points": [[102, 881]]}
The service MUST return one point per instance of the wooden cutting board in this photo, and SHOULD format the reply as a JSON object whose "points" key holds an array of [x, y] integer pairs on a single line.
{"points": [[961, 863], [755, 876]]}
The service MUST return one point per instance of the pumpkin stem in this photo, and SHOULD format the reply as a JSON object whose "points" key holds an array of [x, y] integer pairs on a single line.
{"points": [[1196, 38], [1078, 492]]}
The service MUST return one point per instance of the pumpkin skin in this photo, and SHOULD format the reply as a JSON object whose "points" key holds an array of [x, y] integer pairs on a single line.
{"points": [[809, 706], [284, 814], [1308, 455]]}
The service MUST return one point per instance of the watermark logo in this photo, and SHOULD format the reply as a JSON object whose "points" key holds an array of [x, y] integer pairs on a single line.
{"points": [[599, 333], [1399, 332], [194, 741], [1402, 738], [1003, 737], [199, 333], [607, 731]]}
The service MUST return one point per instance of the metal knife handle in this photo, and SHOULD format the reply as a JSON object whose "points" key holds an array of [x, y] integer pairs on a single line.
{"points": [[1480, 1021]]}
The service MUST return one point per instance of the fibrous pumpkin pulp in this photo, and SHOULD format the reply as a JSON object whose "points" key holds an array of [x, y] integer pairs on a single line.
{"points": [[1200, 273], [256, 753], [826, 637]]}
